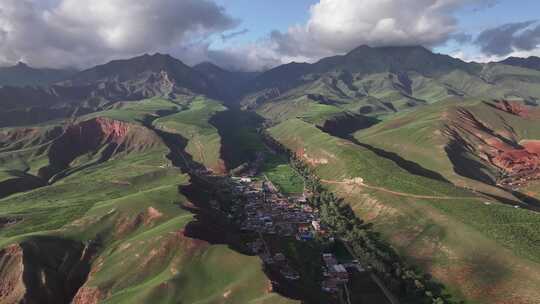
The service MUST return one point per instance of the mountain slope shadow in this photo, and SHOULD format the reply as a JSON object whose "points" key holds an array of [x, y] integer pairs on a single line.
{"points": [[212, 225], [407, 165], [239, 139], [49, 269]]}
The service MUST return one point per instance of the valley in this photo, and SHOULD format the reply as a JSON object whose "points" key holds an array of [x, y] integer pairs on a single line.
{"points": [[394, 175]]}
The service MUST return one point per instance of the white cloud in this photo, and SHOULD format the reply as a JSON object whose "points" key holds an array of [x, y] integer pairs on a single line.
{"points": [[338, 26], [81, 33], [85, 32]]}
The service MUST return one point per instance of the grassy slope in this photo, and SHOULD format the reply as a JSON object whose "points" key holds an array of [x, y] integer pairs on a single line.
{"points": [[204, 142], [417, 136], [413, 135], [277, 169], [136, 112], [147, 260], [340, 159], [435, 234]]}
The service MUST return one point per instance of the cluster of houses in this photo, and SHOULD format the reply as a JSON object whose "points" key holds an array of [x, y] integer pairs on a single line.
{"points": [[268, 211], [334, 273]]}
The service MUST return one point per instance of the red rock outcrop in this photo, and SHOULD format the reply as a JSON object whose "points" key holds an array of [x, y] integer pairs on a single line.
{"points": [[513, 107], [12, 288], [99, 137], [517, 162], [44, 270], [87, 295], [93, 131]]}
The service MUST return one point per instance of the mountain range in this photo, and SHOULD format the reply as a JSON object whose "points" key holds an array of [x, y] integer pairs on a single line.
{"points": [[116, 182]]}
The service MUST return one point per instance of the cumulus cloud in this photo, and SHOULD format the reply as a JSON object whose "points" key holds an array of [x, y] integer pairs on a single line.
{"points": [[81, 33], [338, 26], [85, 32], [510, 38]]}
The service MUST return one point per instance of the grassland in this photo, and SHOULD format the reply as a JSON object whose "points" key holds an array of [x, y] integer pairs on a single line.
{"points": [[277, 169], [150, 262], [418, 136], [139, 111], [204, 141], [130, 208], [239, 138], [469, 245], [339, 160]]}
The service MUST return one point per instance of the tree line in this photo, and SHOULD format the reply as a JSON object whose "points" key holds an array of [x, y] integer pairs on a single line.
{"points": [[408, 283]]}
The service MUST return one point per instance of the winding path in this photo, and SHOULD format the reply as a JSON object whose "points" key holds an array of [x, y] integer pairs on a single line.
{"points": [[362, 185]]}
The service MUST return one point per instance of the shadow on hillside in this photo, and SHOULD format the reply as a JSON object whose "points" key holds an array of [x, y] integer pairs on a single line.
{"points": [[409, 166], [212, 226], [20, 183], [466, 165], [239, 139], [209, 225], [55, 268]]}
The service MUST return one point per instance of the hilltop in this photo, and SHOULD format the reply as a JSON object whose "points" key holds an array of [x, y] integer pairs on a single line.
{"points": [[23, 75], [532, 62]]}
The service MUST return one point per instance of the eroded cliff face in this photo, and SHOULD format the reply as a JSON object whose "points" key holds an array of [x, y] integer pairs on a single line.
{"points": [[100, 138], [43, 270], [129, 255], [514, 108], [12, 287], [18, 138], [517, 160]]}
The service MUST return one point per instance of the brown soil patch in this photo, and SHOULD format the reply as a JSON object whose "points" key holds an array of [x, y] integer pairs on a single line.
{"points": [[174, 241], [87, 295], [121, 183], [513, 107], [126, 224], [532, 146], [314, 161], [12, 288], [152, 214], [517, 163], [497, 293]]}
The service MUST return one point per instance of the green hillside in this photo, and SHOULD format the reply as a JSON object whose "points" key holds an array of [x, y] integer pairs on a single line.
{"points": [[203, 140], [121, 224], [441, 227]]}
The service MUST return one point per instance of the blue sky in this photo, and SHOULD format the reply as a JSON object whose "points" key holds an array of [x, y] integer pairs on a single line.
{"points": [[505, 11], [260, 17]]}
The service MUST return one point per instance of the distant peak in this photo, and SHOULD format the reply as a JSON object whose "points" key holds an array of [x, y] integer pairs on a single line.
{"points": [[154, 56], [207, 65], [399, 49], [160, 55]]}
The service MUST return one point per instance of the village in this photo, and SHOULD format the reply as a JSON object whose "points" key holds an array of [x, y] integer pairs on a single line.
{"points": [[267, 212]]}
